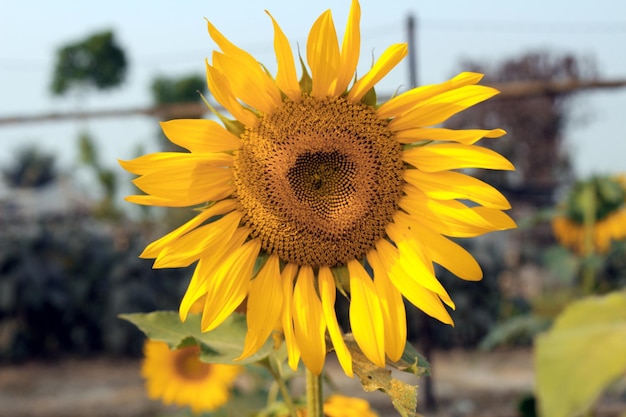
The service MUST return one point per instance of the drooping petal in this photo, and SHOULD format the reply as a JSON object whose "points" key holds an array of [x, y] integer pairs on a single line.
{"points": [[446, 156], [228, 286], [409, 99], [286, 77], [265, 302], [389, 59], [322, 53], [464, 136], [350, 49], [366, 317], [205, 269], [420, 297], [293, 352], [308, 320], [441, 107], [414, 261], [448, 185], [200, 135], [221, 207], [392, 307], [326, 284], [442, 250]]}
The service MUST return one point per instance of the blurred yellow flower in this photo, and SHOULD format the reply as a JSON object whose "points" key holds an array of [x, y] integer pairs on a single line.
{"points": [[603, 200], [179, 377], [314, 187], [340, 406]]}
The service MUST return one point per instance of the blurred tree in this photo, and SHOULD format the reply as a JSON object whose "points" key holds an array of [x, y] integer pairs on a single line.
{"points": [[177, 90], [535, 125], [167, 90], [97, 61], [31, 169], [88, 154]]}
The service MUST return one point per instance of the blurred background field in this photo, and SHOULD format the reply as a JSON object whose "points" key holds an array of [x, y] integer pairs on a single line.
{"points": [[69, 244]]}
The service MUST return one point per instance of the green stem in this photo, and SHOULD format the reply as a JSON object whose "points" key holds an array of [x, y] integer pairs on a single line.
{"points": [[589, 220], [284, 391], [314, 404]]}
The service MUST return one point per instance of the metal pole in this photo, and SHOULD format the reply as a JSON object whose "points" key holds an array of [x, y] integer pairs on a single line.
{"points": [[412, 41]]}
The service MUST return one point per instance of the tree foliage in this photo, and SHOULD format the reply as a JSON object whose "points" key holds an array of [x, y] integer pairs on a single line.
{"points": [[97, 61], [31, 168], [166, 90]]}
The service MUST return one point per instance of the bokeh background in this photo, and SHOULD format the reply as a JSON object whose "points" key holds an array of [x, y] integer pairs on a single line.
{"points": [[69, 244]]}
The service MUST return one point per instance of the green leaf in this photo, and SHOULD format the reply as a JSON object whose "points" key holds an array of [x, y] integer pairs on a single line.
{"points": [[221, 345], [373, 378], [517, 329], [370, 98], [581, 355]]}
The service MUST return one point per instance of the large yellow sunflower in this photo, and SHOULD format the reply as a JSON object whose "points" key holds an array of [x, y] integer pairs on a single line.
{"points": [[314, 188], [179, 377], [605, 199]]}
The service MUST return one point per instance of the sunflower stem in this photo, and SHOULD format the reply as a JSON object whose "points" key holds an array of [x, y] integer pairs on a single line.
{"points": [[313, 395], [284, 391]]}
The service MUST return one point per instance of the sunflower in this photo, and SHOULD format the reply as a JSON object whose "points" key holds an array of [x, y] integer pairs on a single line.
{"points": [[179, 377], [603, 201], [313, 188]]}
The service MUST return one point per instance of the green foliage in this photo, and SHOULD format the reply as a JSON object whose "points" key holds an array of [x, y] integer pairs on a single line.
{"points": [[518, 330], [178, 90], [222, 345], [97, 61], [581, 355], [65, 280], [31, 168]]}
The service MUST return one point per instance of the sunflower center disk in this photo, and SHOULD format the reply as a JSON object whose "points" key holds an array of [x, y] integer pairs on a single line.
{"points": [[318, 180], [189, 366]]}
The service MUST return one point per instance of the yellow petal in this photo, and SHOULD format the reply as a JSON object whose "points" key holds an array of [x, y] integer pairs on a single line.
{"points": [[228, 286], [420, 297], [414, 261], [286, 77], [308, 320], [448, 185], [392, 307], [389, 59], [293, 352], [322, 53], [265, 302], [443, 251], [326, 284], [366, 317], [221, 207], [466, 137], [193, 183], [446, 156], [441, 107], [198, 285], [249, 82], [200, 136], [221, 91], [159, 161], [452, 218], [188, 248], [350, 49], [405, 101]]}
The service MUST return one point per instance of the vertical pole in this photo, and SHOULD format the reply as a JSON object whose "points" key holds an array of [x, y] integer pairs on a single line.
{"points": [[412, 41]]}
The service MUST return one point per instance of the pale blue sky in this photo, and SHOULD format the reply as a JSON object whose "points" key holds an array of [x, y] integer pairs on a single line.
{"points": [[169, 38]]}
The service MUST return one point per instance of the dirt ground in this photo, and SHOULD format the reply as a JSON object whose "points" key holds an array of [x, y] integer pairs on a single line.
{"points": [[466, 384]]}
